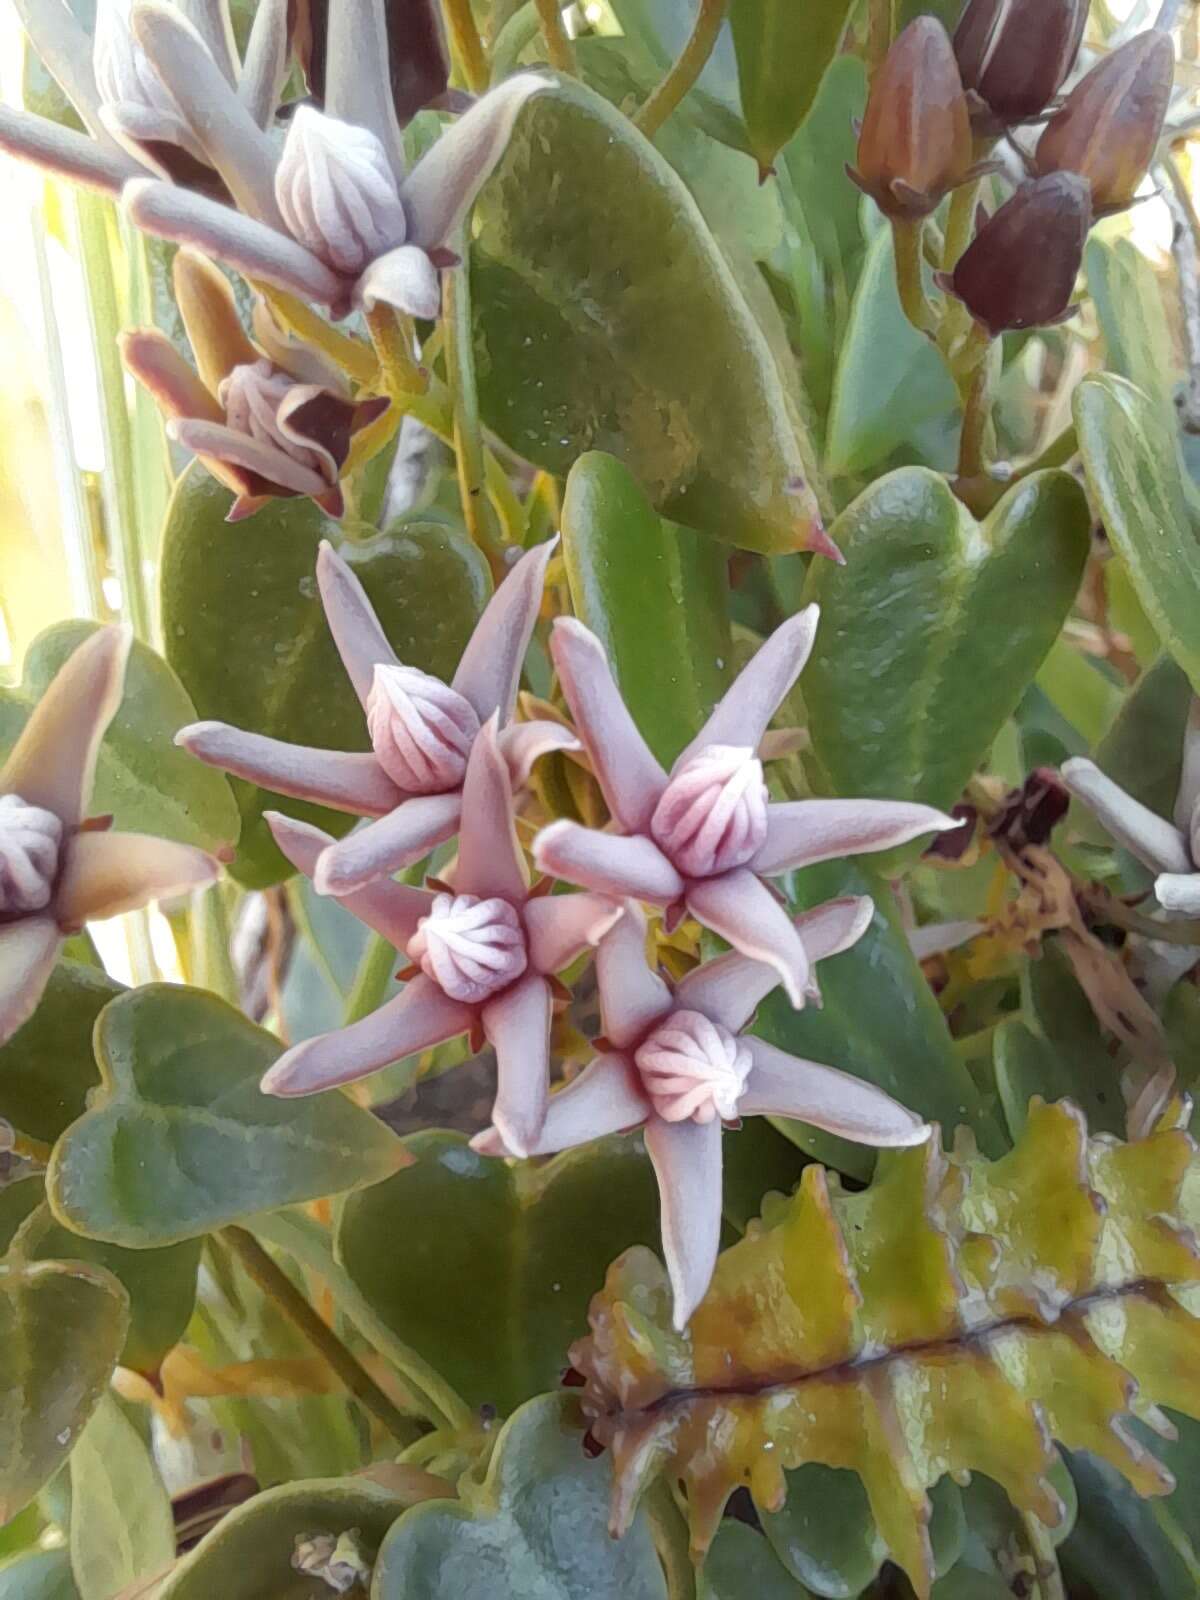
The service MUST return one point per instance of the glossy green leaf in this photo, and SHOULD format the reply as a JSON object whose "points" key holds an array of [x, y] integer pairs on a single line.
{"points": [[62, 1325], [179, 1139], [933, 629], [47, 1068], [947, 12], [815, 161], [122, 1529], [653, 34], [614, 328], [1123, 1545], [783, 49], [536, 1527], [245, 631], [1134, 473], [1080, 690], [655, 595], [1129, 301], [742, 1564], [487, 1269], [1143, 750], [248, 1556], [38, 1575], [889, 378]]}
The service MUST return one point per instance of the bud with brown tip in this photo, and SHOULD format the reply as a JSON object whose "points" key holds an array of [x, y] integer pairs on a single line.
{"points": [[915, 143], [1014, 55], [1020, 270], [1111, 122]]}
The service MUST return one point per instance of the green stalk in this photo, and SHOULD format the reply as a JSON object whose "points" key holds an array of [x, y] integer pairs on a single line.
{"points": [[558, 46], [910, 282], [374, 973], [520, 30], [466, 43], [468, 432], [687, 69]]}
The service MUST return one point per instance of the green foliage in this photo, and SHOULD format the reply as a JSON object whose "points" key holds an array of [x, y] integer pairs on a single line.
{"points": [[122, 1530], [783, 51], [58, 1037]]}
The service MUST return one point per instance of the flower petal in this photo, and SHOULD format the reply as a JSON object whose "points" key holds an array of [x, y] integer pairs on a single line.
{"points": [[28, 951], [419, 1017], [65, 50], [752, 699], [105, 874], [405, 278], [629, 775], [607, 1097], [357, 631], [175, 388], [687, 1164], [441, 188], [358, 86], [490, 668], [837, 925], [240, 450], [610, 863], [66, 153], [781, 1085], [1189, 777], [397, 840], [632, 997], [517, 1025], [210, 318], [935, 938], [344, 780], [803, 832], [741, 908], [212, 21], [1178, 892], [560, 927], [391, 909], [521, 743], [53, 761], [1151, 839], [251, 247], [490, 860], [265, 67]]}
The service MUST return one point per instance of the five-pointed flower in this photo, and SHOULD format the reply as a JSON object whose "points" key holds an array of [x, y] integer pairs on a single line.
{"points": [[680, 1064], [487, 950], [57, 869], [703, 837], [422, 730], [1169, 849]]}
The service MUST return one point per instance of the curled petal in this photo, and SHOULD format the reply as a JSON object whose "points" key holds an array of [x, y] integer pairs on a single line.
{"points": [[273, 466], [687, 1164], [781, 1085], [1152, 840], [166, 376], [105, 874], [405, 278], [470, 948], [419, 1017], [210, 318], [610, 863], [490, 668], [607, 1097], [357, 631], [517, 1025], [392, 909], [752, 699], [629, 775], [490, 861], [357, 78], [803, 832], [1178, 892], [632, 997], [67, 54], [396, 840], [53, 761], [743, 910], [836, 926], [64, 152], [521, 743], [560, 927], [28, 951], [341, 779]]}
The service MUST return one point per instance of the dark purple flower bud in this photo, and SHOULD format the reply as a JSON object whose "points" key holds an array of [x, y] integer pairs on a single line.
{"points": [[1015, 54], [1110, 123], [1031, 813], [915, 143], [1020, 270]]}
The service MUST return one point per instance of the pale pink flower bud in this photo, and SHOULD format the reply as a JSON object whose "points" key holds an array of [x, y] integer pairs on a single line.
{"points": [[337, 192], [713, 813], [471, 948], [252, 395], [421, 729], [30, 838], [125, 77], [693, 1068]]}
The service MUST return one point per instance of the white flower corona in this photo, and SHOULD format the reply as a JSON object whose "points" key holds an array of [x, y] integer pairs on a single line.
{"points": [[251, 396], [421, 729], [30, 837], [337, 192], [693, 1068], [713, 814], [471, 948]]}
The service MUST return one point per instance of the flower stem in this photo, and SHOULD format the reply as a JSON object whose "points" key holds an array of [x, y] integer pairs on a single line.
{"points": [[910, 283], [976, 410], [686, 70], [279, 1288], [353, 356], [558, 46], [468, 433], [14, 1143], [960, 219], [520, 30], [466, 43], [1041, 1547], [1108, 908], [378, 962], [391, 334]]}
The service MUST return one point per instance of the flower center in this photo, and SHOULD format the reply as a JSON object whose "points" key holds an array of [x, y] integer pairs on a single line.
{"points": [[471, 948], [252, 395], [421, 729], [30, 838], [692, 1067], [337, 193], [713, 813]]}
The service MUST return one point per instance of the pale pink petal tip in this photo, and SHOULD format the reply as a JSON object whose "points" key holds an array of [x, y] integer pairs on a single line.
{"points": [[821, 544]]}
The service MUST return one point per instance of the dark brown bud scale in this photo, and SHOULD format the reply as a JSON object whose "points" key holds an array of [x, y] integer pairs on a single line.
{"points": [[915, 143], [1021, 268], [1015, 54], [1111, 122]]}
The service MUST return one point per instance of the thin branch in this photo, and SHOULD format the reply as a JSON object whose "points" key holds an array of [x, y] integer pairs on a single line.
{"points": [[558, 46], [686, 70], [466, 43]]}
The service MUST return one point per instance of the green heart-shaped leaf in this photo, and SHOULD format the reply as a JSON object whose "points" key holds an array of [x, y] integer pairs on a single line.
{"points": [[487, 1269], [536, 1527], [613, 326], [122, 1529], [179, 1139], [783, 50], [48, 1067], [656, 596], [62, 1325], [1134, 472], [245, 631], [933, 629]]}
